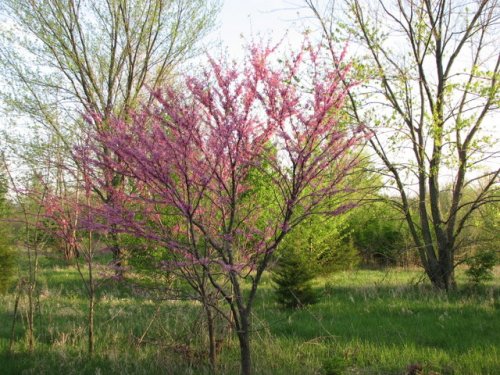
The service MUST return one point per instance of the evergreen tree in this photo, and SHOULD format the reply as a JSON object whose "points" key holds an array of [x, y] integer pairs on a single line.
{"points": [[293, 280]]}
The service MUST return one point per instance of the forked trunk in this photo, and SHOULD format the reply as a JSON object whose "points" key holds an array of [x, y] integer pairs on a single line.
{"points": [[441, 272]]}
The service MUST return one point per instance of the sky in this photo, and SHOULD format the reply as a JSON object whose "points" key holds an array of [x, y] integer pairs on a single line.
{"points": [[259, 18], [239, 20]]}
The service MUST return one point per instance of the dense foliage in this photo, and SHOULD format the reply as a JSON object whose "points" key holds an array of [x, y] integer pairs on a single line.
{"points": [[379, 234]]}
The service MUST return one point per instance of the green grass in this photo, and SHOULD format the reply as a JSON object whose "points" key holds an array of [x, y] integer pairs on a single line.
{"points": [[366, 322]]}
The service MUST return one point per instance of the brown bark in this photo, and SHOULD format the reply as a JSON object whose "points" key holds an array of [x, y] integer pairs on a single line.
{"points": [[244, 341]]}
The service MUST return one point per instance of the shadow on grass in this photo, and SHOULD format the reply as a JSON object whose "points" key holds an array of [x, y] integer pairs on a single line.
{"points": [[66, 362], [390, 316]]}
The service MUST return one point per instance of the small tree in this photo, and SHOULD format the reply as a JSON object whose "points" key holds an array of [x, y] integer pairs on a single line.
{"points": [[293, 276], [65, 213], [30, 215], [191, 156]]}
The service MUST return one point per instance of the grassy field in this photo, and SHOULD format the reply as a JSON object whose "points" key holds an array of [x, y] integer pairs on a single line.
{"points": [[367, 322]]}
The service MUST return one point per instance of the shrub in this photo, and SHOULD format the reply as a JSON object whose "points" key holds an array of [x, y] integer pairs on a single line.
{"points": [[335, 365], [378, 233], [340, 255], [481, 267]]}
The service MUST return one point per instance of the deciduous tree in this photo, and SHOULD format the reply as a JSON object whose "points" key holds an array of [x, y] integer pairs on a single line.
{"points": [[191, 154], [61, 58], [431, 94]]}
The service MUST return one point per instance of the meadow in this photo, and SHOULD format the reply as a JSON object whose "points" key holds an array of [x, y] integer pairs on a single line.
{"points": [[387, 321]]}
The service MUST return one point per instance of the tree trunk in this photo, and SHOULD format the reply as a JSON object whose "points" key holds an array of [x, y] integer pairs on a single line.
{"points": [[91, 324], [31, 320], [244, 339], [212, 347], [70, 253], [117, 254], [91, 290], [441, 272], [446, 262]]}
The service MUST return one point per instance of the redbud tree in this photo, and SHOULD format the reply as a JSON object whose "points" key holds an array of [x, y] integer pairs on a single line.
{"points": [[190, 159]]}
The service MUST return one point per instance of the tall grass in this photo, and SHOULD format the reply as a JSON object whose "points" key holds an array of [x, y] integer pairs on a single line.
{"points": [[366, 322]]}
